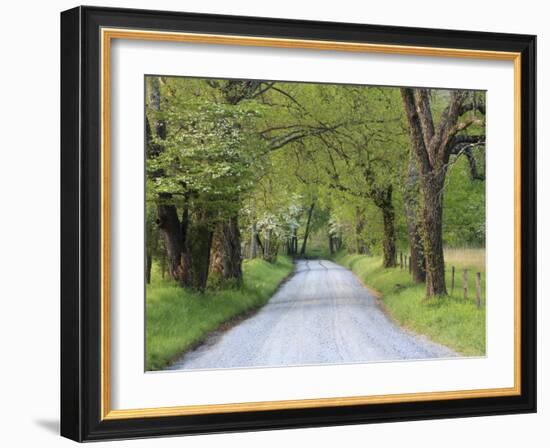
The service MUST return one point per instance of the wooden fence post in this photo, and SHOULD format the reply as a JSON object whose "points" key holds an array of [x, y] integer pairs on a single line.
{"points": [[465, 282], [452, 279], [401, 260], [478, 289], [410, 266]]}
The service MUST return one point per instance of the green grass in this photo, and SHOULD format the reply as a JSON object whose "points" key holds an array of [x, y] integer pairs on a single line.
{"points": [[452, 321], [177, 319], [466, 258]]}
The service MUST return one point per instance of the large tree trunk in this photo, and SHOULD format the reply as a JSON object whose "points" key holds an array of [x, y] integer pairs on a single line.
{"points": [[187, 244], [226, 251], [216, 253], [416, 248], [411, 205], [170, 227], [433, 236], [197, 253], [308, 225]]}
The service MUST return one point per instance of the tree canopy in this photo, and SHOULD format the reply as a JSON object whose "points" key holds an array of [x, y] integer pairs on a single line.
{"points": [[242, 169]]}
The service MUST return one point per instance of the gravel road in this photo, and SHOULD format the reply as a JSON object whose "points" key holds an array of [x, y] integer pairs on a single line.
{"points": [[322, 314]]}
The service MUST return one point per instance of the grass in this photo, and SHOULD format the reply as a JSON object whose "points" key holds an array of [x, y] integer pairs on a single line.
{"points": [[452, 321], [466, 258], [177, 319]]}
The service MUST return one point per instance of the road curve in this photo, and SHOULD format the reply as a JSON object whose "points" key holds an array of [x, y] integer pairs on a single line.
{"points": [[323, 314]]}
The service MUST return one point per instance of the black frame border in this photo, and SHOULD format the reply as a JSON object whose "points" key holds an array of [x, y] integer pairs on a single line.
{"points": [[81, 223]]}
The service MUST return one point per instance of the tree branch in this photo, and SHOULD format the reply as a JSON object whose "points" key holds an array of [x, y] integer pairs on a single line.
{"points": [[265, 89], [463, 145], [480, 107], [422, 105], [278, 142], [459, 141], [418, 142]]}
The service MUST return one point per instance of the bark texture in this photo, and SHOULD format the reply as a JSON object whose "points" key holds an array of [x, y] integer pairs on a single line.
{"points": [[414, 230], [197, 250], [174, 239], [226, 257]]}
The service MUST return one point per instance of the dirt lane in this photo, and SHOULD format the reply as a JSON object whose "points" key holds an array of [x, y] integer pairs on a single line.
{"points": [[323, 314]]}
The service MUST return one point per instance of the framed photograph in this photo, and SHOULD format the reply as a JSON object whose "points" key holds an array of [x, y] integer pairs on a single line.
{"points": [[272, 223]]}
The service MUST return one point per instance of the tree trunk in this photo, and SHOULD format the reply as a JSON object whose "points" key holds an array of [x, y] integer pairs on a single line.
{"points": [[216, 253], [259, 243], [339, 242], [169, 225], [197, 253], [433, 148], [225, 258], [382, 198], [231, 250], [306, 234], [416, 248], [388, 215], [292, 243], [148, 264], [433, 236], [411, 205]]}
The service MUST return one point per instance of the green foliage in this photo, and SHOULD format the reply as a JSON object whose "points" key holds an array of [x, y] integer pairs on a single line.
{"points": [[210, 148], [451, 321], [265, 152], [177, 319], [344, 145], [464, 207]]}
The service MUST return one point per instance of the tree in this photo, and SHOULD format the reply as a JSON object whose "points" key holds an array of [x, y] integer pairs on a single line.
{"points": [[200, 164], [365, 158], [433, 144], [168, 221], [226, 248]]}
